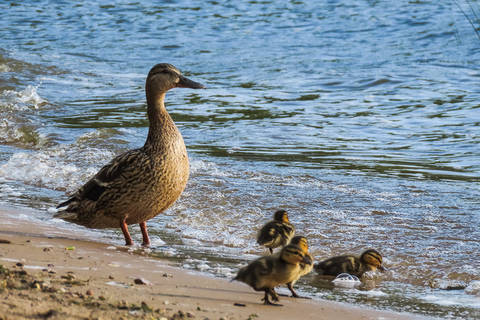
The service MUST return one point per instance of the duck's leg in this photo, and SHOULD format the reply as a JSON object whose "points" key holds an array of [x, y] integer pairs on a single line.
{"points": [[146, 239], [267, 301], [126, 234]]}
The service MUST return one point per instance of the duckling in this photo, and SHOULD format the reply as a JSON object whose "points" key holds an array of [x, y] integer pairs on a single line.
{"points": [[141, 183], [277, 232], [305, 268], [370, 260], [267, 272]]}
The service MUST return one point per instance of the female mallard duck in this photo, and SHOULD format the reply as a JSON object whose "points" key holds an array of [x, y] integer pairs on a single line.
{"points": [[267, 272], [305, 267], [277, 232], [370, 260], [141, 183]]}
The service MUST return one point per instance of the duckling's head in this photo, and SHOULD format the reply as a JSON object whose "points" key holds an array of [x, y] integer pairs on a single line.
{"points": [[294, 254], [373, 258], [281, 216], [164, 76], [301, 242]]}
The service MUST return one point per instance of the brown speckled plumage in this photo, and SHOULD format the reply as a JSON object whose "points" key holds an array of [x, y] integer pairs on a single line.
{"points": [[141, 183]]}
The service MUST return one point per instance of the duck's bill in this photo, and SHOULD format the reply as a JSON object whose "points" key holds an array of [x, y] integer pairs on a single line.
{"points": [[382, 268], [187, 83]]}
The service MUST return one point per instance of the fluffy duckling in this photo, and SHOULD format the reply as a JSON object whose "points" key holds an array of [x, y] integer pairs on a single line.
{"points": [[305, 268], [276, 233], [141, 183], [267, 272], [370, 260]]}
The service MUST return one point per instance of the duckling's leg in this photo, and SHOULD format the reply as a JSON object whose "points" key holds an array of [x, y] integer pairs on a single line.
{"points": [[267, 301], [290, 287], [146, 239], [126, 234], [294, 294]]}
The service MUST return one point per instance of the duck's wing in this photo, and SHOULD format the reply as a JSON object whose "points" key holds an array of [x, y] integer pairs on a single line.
{"points": [[121, 168], [269, 233]]}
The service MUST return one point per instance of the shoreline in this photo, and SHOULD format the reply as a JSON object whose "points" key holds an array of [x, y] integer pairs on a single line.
{"points": [[50, 274]]}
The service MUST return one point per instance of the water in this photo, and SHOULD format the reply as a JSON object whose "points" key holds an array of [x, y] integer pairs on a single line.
{"points": [[361, 118]]}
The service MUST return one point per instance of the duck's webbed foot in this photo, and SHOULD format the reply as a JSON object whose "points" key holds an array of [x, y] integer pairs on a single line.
{"points": [[267, 301]]}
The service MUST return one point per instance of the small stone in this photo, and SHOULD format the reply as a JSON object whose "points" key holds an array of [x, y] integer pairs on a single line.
{"points": [[5, 241], [236, 304], [141, 281], [89, 292], [190, 315], [19, 264], [111, 277], [47, 249], [102, 298]]}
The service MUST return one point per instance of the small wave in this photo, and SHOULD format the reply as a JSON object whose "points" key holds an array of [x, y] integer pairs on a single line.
{"points": [[12, 132], [21, 100], [58, 168]]}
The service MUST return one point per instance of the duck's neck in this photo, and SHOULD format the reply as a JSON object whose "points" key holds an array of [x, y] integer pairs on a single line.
{"points": [[161, 124]]}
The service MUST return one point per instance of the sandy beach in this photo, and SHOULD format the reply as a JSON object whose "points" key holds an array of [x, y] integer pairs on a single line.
{"points": [[68, 277]]}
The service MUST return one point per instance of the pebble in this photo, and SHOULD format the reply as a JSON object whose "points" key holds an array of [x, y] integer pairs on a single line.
{"points": [[89, 292], [141, 281]]}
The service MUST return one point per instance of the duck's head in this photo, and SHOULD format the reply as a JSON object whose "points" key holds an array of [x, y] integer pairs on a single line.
{"points": [[296, 252], [301, 242], [281, 216], [164, 76], [373, 258]]}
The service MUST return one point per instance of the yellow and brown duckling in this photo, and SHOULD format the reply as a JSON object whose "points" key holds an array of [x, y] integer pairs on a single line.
{"points": [[267, 272], [141, 183], [370, 260], [305, 266], [276, 233]]}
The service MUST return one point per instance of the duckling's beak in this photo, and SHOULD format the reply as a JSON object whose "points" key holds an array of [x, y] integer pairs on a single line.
{"points": [[382, 268], [187, 83], [307, 259]]}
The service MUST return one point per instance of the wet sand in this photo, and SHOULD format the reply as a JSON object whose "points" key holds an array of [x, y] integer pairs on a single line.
{"points": [[48, 273]]}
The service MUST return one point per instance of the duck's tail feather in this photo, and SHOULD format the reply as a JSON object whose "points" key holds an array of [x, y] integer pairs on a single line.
{"points": [[66, 203], [67, 211], [66, 215]]}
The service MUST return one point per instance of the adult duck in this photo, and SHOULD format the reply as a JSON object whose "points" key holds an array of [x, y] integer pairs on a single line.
{"points": [[140, 183]]}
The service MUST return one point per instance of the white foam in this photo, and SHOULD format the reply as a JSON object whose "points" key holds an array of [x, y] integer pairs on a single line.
{"points": [[4, 68], [371, 293], [21, 100], [473, 288], [53, 168], [452, 299]]}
